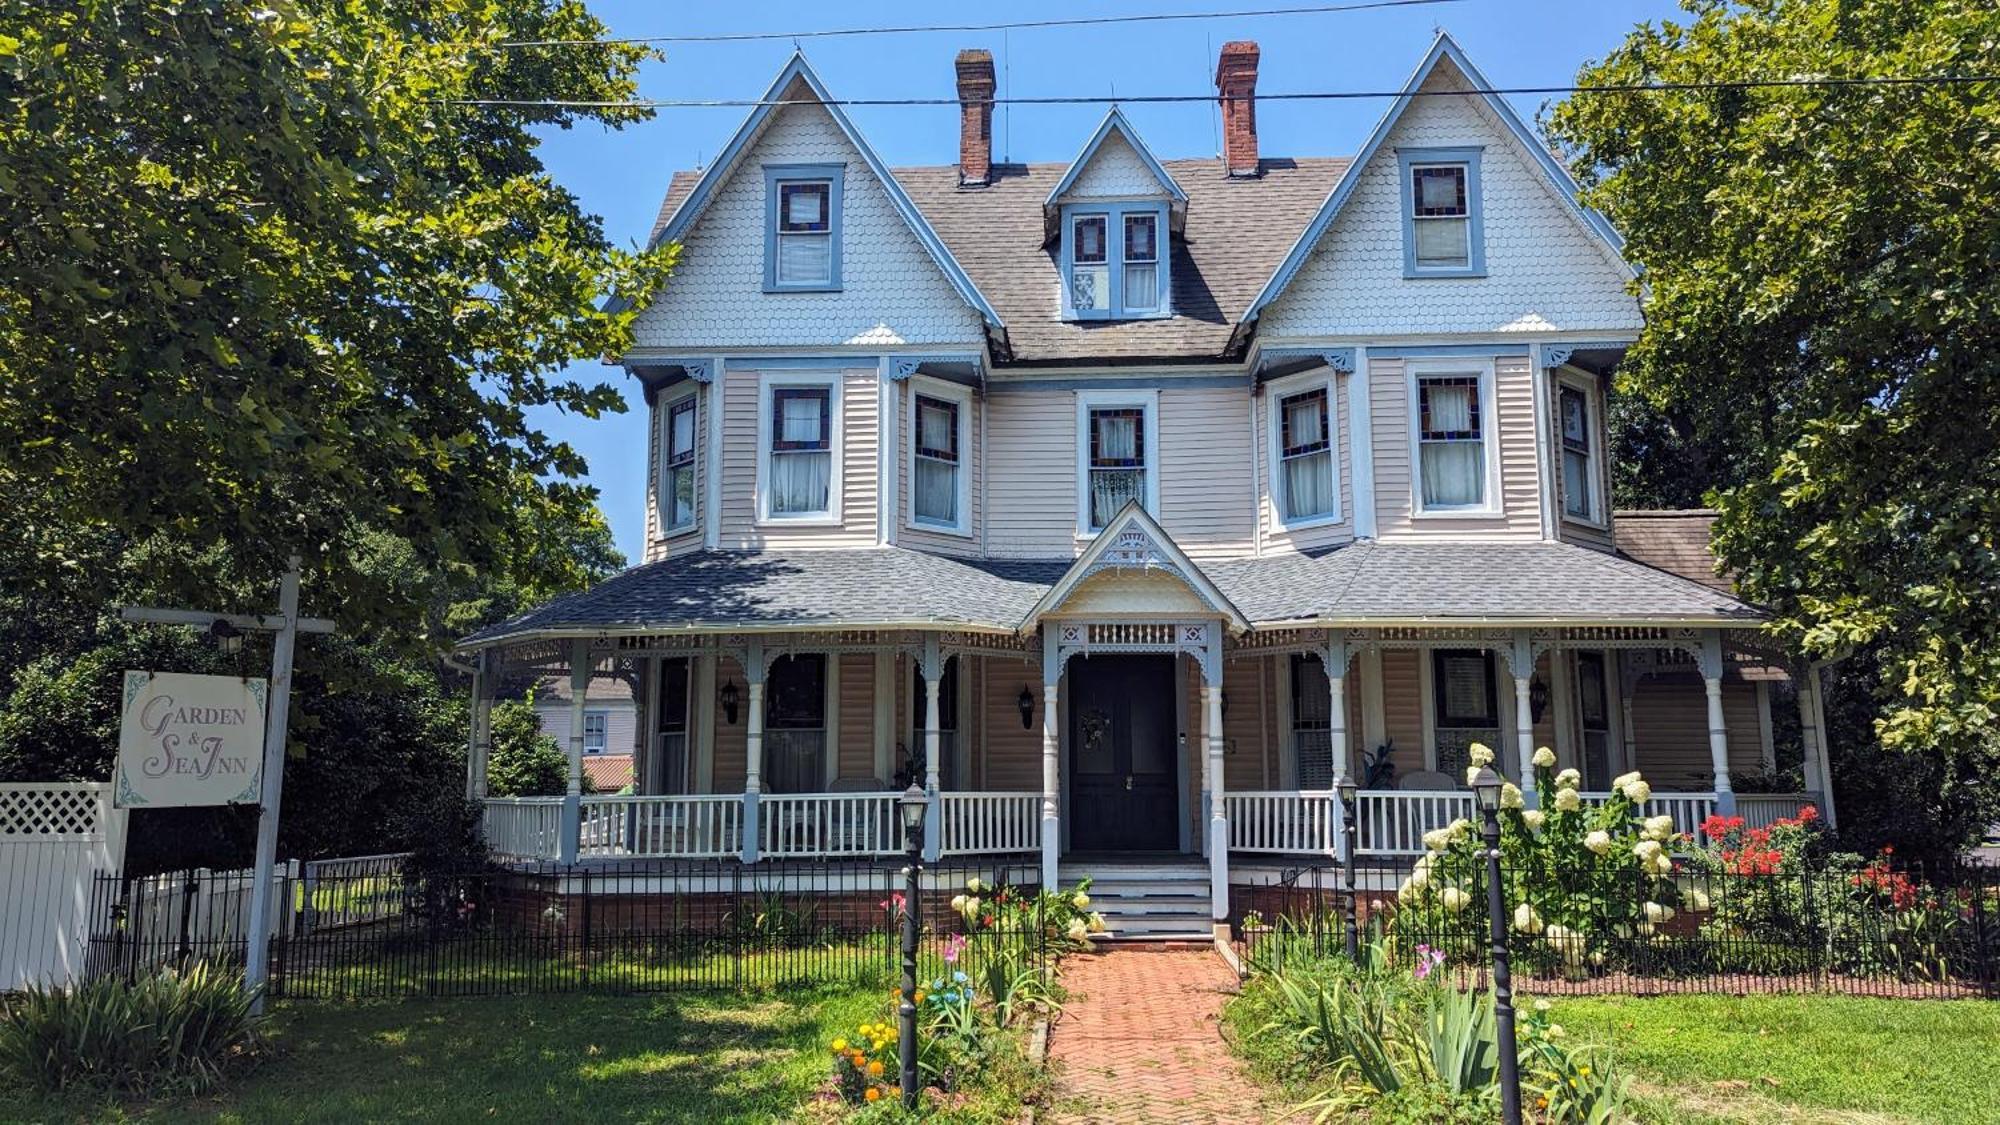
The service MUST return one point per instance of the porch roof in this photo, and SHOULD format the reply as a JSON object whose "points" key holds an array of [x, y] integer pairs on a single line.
{"points": [[1358, 584]]}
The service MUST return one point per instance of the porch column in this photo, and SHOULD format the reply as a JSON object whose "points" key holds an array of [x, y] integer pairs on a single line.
{"points": [[1521, 666], [1051, 779], [1818, 767], [931, 664], [1218, 812], [479, 743], [1337, 681], [579, 688], [1718, 733], [754, 670]]}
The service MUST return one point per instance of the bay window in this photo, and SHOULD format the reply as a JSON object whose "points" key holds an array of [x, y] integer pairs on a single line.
{"points": [[677, 489], [798, 448], [1116, 449], [939, 492], [1454, 460], [1305, 482], [1579, 454]]}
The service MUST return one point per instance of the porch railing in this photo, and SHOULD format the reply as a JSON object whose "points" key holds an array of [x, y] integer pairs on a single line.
{"points": [[1758, 810], [990, 823], [1393, 821], [795, 825], [1289, 823], [696, 827], [524, 827], [1687, 809]]}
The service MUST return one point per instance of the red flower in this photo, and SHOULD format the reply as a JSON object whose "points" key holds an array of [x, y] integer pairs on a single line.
{"points": [[1808, 814]]}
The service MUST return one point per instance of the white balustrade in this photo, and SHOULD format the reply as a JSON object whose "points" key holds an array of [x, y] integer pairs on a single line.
{"points": [[792, 825], [988, 823], [1687, 809], [524, 827], [1393, 821], [1760, 810], [1281, 821], [694, 827]]}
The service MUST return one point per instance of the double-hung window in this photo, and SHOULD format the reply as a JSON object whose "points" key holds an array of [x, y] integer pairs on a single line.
{"points": [[1579, 462], [1117, 448], [1114, 261], [1452, 439], [677, 498], [938, 491], [799, 451], [1305, 478], [1442, 224], [802, 227], [596, 732]]}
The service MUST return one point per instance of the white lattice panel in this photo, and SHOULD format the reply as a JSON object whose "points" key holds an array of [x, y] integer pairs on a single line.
{"points": [[51, 811]]}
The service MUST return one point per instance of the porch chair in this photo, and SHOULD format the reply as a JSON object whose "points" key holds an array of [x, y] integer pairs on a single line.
{"points": [[1427, 779]]}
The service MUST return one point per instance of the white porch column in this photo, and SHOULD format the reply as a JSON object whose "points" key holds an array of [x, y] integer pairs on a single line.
{"points": [[1718, 733], [754, 670], [479, 741], [1334, 657], [1521, 666], [1051, 747], [1812, 725], [932, 666], [1218, 814], [579, 688]]}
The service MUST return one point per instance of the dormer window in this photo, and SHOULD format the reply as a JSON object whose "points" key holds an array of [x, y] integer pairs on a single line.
{"points": [[1114, 264], [1443, 230], [802, 227]]}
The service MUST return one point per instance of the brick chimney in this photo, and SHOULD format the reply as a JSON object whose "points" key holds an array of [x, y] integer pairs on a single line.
{"points": [[1236, 89], [975, 118]]}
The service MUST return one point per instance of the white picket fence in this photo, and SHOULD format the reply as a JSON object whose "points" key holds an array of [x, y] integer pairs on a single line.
{"points": [[55, 839], [989, 823]]}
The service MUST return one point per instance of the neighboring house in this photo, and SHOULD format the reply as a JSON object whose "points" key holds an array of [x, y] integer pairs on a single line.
{"points": [[610, 728], [1180, 487]]}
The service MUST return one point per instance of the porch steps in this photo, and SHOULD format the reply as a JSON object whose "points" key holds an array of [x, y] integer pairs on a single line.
{"points": [[1149, 901]]}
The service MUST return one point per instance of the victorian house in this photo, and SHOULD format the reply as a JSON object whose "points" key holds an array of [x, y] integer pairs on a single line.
{"points": [[1126, 504]]}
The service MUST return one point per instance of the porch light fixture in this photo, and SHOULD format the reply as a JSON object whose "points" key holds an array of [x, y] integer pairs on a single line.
{"points": [[1027, 704], [912, 806], [1538, 698], [1224, 702], [727, 696], [228, 638], [1486, 790]]}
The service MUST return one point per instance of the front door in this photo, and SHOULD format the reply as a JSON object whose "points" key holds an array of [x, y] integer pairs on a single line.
{"points": [[1124, 748]]}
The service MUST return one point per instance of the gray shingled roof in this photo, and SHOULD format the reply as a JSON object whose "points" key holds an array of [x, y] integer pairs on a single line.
{"points": [[891, 586], [1238, 231]]}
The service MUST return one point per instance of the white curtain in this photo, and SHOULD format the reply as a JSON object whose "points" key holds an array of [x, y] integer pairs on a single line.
{"points": [[1112, 489], [805, 258], [937, 490], [799, 481], [1142, 287], [1441, 242], [1309, 485], [1453, 470], [1117, 436], [800, 420]]}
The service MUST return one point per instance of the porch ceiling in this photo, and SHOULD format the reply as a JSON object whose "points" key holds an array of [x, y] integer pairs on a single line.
{"points": [[1359, 584]]}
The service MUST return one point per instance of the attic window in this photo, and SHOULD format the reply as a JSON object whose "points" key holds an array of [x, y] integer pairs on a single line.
{"points": [[1443, 230], [1114, 265], [802, 235]]}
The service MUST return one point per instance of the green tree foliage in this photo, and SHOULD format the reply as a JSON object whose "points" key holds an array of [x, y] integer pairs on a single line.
{"points": [[1821, 266], [268, 281], [525, 762]]}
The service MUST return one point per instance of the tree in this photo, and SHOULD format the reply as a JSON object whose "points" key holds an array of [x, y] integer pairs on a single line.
{"points": [[525, 762], [271, 281], [1824, 305]]}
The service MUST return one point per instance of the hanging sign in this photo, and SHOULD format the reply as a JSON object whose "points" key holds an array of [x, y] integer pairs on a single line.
{"points": [[190, 740]]}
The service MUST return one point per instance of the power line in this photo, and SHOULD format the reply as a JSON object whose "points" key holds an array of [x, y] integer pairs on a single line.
{"points": [[1168, 99], [1080, 21]]}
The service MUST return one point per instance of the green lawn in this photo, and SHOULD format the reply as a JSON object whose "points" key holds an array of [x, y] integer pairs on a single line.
{"points": [[1801, 1058], [544, 1058]]}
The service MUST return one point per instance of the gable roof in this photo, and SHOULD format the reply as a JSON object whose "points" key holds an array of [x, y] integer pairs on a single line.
{"points": [[1134, 540], [1114, 122], [1443, 48], [690, 204]]}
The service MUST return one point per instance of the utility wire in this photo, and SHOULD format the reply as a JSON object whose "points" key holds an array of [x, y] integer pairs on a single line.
{"points": [[1163, 99], [1080, 21]]}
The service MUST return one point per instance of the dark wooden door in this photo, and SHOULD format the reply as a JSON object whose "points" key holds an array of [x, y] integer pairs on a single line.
{"points": [[1124, 749]]}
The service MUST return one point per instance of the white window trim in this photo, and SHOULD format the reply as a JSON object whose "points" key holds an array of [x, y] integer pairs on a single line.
{"points": [[1146, 400], [1489, 413], [1275, 392], [664, 491], [585, 733], [769, 381], [961, 396], [1593, 409]]}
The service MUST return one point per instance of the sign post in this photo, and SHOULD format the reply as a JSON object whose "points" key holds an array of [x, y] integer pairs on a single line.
{"points": [[286, 626]]}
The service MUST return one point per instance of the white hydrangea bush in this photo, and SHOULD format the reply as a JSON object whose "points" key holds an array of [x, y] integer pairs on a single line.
{"points": [[1584, 887]]}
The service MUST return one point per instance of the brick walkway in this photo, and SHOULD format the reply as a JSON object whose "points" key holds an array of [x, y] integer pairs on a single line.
{"points": [[1139, 1040]]}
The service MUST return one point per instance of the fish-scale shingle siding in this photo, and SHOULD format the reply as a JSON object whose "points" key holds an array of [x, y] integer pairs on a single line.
{"points": [[1545, 271], [1115, 171]]}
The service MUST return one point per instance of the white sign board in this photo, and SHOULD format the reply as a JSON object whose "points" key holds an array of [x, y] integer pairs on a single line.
{"points": [[190, 740]]}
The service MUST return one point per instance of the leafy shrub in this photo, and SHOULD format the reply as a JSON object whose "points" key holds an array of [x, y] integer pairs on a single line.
{"points": [[1064, 917], [171, 1032], [524, 761]]}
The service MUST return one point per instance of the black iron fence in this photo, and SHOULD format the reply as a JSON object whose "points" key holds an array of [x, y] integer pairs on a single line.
{"points": [[1854, 929], [381, 930]]}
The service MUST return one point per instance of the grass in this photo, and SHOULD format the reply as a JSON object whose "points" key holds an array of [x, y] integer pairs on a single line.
{"points": [[1801, 1058], [546, 1058]]}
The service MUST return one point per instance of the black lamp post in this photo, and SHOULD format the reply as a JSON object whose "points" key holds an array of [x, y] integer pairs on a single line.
{"points": [[912, 806], [1351, 832], [1486, 787]]}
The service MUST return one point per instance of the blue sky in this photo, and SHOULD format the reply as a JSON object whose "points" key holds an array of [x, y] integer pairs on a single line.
{"points": [[621, 175]]}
